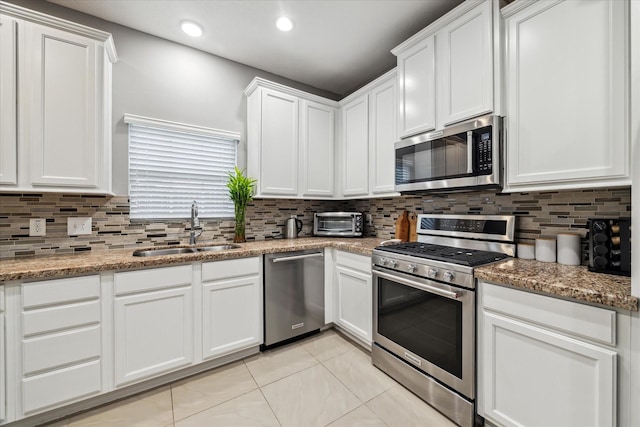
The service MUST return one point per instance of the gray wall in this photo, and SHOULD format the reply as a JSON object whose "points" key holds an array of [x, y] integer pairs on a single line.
{"points": [[165, 80]]}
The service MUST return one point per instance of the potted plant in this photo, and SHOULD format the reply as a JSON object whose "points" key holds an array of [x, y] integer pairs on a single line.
{"points": [[241, 190]]}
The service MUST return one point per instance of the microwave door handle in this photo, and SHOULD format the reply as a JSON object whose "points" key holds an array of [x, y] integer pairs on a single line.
{"points": [[470, 152]]}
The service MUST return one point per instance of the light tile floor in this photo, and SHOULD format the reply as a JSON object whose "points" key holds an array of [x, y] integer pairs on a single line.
{"points": [[324, 380]]}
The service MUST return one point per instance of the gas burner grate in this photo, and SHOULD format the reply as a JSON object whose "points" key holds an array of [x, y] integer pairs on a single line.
{"points": [[461, 256]]}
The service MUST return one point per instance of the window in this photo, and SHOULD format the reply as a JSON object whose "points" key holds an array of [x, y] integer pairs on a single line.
{"points": [[173, 164]]}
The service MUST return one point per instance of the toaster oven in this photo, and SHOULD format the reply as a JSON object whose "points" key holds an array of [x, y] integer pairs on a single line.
{"points": [[338, 224]]}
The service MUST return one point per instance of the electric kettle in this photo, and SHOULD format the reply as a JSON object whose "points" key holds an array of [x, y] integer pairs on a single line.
{"points": [[292, 228]]}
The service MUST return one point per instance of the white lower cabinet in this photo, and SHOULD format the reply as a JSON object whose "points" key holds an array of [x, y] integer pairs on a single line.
{"points": [[61, 332], [3, 402], [544, 361], [353, 292], [153, 329], [231, 306]]}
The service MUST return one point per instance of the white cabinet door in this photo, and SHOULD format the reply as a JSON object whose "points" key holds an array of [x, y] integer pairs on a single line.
{"points": [[279, 144], [232, 315], [416, 86], [3, 367], [153, 333], [354, 296], [534, 377], [317, 130], [61, 100], [567, 95], [355, 140], [8, 92], [383, 135], [465, 66]]}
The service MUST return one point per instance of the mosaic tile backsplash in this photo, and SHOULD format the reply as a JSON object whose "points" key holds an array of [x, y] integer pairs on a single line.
{"points": [[541, 214]]}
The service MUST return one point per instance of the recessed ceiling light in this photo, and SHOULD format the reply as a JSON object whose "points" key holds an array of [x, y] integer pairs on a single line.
{"points": [[191, 28], [284, 24]]}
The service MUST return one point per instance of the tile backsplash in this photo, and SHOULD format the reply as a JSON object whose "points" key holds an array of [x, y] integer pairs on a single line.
{"points": [[540, 214]]}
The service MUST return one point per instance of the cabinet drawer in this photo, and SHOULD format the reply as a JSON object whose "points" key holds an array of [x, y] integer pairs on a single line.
{"points": [[60, 317], [356, 262], [152, 279], [217, 270], [58, 291], [52, 351], [61, 386], [594, 323]]}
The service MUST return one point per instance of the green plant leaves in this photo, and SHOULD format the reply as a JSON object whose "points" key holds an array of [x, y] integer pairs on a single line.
{"points": [[240, 187]]}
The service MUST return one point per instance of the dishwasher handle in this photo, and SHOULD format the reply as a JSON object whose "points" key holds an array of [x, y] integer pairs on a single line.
{"points": [[297, 257]]}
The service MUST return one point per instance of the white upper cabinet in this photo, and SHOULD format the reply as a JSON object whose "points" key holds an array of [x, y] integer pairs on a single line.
{"points": [[446, 71], [62, 100], [317, 141], [416, 84], [567, 87], [290, 146], [369, 129], [279, 148], [355, 147], [8, 89], [56, 92], [383, 133], [465, 66]]}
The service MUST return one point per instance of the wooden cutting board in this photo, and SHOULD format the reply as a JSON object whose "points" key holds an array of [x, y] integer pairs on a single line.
{"points": [[413, 224], [402, 227]]}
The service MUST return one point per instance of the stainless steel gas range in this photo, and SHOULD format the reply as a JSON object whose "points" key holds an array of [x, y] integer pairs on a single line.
{"points": [[424, 323]]}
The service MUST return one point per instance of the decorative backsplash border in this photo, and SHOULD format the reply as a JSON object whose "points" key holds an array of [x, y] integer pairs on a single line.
{"points": [[540, 214]]}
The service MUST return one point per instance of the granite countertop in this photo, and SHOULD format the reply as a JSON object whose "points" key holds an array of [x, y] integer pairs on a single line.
{"points": [[575, 282], [123, 259]]}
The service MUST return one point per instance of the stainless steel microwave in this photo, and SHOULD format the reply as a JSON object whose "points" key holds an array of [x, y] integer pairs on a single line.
{"points": [[461, 157], [343, 224]]}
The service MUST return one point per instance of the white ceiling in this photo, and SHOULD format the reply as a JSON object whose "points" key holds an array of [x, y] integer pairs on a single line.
{"points": [[336, 45]]}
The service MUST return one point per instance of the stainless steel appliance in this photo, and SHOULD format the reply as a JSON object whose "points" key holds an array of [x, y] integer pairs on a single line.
{"points": [[292, 228], [293, 294], [343, 224], [610, 246], [424, 328], [463, 156]]}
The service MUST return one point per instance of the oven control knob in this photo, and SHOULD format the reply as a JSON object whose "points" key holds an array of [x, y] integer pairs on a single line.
{"points": [[448, 276], [432, 273], [382, 261], [411, 268], [392, 263]]}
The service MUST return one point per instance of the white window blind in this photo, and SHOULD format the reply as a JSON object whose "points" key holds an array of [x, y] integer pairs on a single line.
{"points": [[173, 164]]}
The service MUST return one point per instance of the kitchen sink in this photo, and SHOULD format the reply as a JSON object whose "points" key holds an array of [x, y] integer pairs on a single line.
{"points": [[178, 251]]}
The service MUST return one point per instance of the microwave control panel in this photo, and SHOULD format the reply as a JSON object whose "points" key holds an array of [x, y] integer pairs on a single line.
{"points": [[484, 151]]}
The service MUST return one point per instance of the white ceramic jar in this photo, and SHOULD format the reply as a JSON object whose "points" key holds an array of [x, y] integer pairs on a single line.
{"points": [[569, 249], [546, 250], [526, 251]]}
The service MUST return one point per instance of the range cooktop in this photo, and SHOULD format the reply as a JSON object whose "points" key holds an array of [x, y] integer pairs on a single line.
{"points": [[460, 256]]}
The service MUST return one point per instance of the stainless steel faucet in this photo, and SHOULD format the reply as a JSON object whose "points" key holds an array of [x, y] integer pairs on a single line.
{"points": [[196, 230]]}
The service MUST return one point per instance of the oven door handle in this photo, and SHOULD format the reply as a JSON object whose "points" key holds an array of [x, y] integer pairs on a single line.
{"points": [[423, 286]]}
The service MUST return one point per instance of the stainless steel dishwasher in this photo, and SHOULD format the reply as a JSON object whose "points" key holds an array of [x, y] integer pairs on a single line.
{"points": [[293, 294]]}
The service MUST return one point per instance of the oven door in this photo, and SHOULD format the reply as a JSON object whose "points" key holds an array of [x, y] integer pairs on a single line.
{"points": [[429, 325]]}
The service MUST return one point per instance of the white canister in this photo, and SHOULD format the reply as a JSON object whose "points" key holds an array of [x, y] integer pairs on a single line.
{"points": [[569, 249], [546, 250], [526, 251]]}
